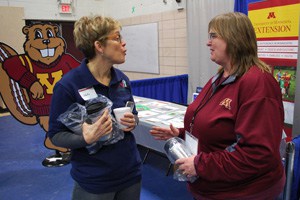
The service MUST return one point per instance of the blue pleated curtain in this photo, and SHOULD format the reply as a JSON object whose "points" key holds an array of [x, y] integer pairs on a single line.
{"points": [[295, 195], [173, 89], [242, 5]]}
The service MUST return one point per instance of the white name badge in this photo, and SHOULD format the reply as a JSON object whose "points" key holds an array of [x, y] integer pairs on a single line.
{"points": [[87, 93], [192, 142]]}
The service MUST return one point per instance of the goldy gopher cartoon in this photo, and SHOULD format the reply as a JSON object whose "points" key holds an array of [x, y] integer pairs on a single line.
{"points": [[27, 80]]}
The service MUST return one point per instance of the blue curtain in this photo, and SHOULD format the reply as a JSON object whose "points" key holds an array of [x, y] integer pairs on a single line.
{"points": [[295, 195], [242, 5], [173, 89]]}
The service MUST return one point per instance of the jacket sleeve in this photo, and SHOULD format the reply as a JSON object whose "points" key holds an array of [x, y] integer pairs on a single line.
{"points": [[68, 140], [16, 69]]}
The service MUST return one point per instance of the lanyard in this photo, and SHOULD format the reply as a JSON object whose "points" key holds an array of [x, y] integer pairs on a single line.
{"points": [[205, 100], [200, 106]]}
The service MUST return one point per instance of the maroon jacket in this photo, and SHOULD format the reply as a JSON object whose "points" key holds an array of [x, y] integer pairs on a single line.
{"points": [[239, 128]]}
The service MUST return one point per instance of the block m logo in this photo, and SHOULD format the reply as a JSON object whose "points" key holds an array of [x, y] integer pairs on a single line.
{"points": [[271, 15]]}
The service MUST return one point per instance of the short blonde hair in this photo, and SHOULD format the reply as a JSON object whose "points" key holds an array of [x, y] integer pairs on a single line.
{"points": [[236, 30], [87, 30]]}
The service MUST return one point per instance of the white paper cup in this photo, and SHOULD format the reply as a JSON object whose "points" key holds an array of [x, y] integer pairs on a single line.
{"points": [[119, 113]]}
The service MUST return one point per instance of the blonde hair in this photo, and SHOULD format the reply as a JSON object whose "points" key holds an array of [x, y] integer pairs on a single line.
{"points": [[87, 30], [237, 31]]}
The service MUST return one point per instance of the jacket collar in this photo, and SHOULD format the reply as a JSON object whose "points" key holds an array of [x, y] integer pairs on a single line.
{"points": [[230, 79]]}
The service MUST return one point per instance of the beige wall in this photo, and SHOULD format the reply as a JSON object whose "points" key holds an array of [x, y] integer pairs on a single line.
{"points": [[172, 42], [172, 38], [11, 24]]}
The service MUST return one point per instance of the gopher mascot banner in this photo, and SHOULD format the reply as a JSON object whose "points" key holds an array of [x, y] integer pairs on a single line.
{"points": [[27, 80]]}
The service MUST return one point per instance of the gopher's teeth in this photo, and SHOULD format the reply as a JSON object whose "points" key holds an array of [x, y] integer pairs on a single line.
{"points": [[51, 52], [47, 52]]}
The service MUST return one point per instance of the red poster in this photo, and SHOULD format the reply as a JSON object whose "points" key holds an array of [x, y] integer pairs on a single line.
{"points": [[276, 23]]}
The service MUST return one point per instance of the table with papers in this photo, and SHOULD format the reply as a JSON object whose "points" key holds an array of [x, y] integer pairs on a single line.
{"points": [[151, 113]]}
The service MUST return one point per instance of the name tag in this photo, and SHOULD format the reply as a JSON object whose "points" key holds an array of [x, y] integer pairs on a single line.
{"points": [[192, 142], [87, 93]]}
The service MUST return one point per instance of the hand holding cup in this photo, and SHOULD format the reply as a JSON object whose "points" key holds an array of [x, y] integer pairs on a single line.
{"points": [[125, 118]]}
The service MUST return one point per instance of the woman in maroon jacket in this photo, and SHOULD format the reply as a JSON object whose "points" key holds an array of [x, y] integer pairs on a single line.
{"points": [[237, 120]]}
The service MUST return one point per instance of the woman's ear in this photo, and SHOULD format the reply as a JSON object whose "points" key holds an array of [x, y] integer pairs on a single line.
{"points": [[98, 47]]}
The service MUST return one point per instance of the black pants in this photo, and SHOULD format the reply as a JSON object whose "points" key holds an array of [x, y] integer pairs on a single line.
{"points": [[132, 192]]}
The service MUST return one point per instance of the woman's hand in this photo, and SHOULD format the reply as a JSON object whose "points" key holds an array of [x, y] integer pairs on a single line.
{"points": [[93, 132], [129, 121], [160, 133], [186, 165]]}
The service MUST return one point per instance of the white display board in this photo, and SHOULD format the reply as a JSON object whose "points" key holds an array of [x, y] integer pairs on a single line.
{"points": [[142, 48]]}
